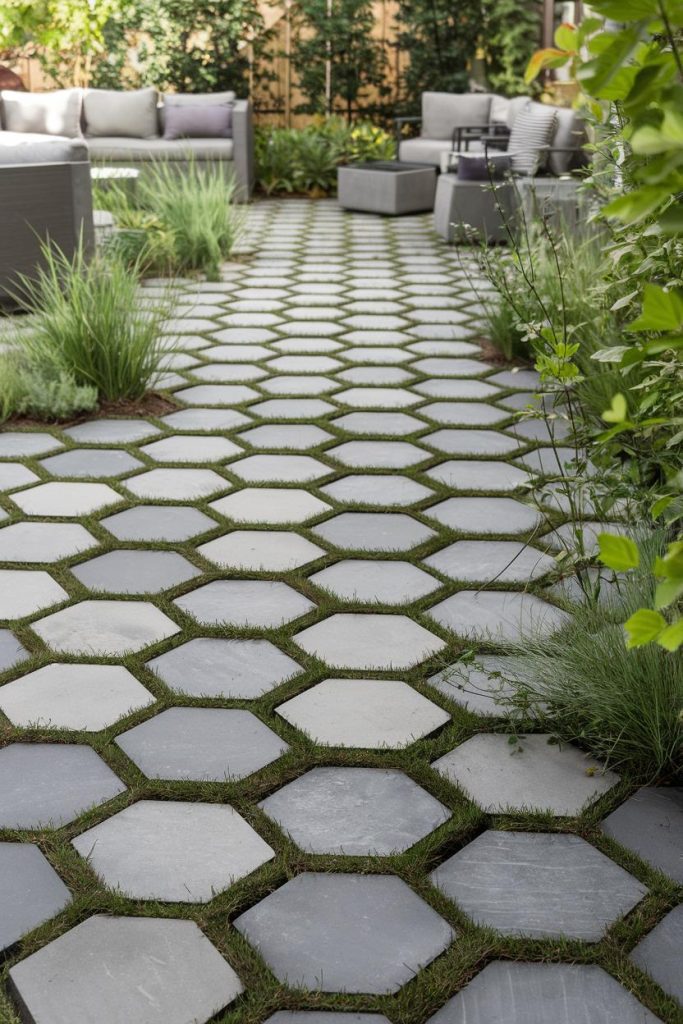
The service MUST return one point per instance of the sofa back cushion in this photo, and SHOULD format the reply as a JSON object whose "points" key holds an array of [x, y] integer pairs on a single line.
{"points": [[43, 113], [131, 114], [570, 133], [193, 99], [531, 133], [194, 122], [442, 112]]}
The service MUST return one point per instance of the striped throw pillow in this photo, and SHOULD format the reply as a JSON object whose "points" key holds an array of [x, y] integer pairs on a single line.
{"points": [[532, 129]]}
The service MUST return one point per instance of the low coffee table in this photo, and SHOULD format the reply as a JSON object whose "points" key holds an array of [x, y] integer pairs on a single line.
{"points": [[387, 186]]}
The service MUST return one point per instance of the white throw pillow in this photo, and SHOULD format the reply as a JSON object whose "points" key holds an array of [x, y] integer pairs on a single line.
{"points": [[531, 134], [126, 114], [43, 113]]}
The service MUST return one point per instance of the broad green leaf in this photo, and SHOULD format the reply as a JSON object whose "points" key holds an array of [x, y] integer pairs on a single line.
{"points": [[626, 10], [662, 310], [643, 627], [618, 553], [566, 37], [549, 58], [672, 342], [672, 637], [668, 592], [613, 354], [618, 411], [638, 204], [661, 506], [671, 221]]}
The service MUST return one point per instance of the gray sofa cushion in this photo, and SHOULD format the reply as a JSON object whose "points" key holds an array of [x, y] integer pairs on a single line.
{"points": [[531, 134], [43, 113], [31, 148], [444, 111], [139, 150], [114, 112], [428, 151], [192, 99], [213, 121], [570, 132]]}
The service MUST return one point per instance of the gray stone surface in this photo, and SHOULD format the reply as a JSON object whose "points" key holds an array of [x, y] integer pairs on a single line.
{"points": [[659, 953], [104, 628], [291, 408], [355, 811], [519, 993], [471, 442], [297, 436], [177, 484], [372, 489], [393, 424], [201, 744], [482, 685], [650, 824], [111, 431], [17, 443], [31, 891], [65, 500], [45, 785], [205, 419], [377, 398], [11, 651], [497, 615], [260, 550], [533, 774], [27, 591], [13, 475], [475, 414], [207, 667], [369, 641], [158, 523], [356, 579], [356, 933], [324, 1017], [260, 604], [377, 454], [363, 713], [43, 542], [91, 462], [288, 468], [270, 505], [474, 475], [116, 970], [541, 885], [485, 561], [135, 572], [373, 531], [485, 515], [189, 448]]}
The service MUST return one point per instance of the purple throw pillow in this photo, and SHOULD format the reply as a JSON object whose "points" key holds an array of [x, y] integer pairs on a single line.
{"points": [[194, 121], [475, 166]]}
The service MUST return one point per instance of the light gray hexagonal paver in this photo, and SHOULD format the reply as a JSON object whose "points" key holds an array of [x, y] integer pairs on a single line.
{"points": [[116, 969], [504, 561], [13, 475], [158, 522], [540, 885], [324, 1017], [43, 542], [135, 572], [291, 408], [498, 615], [111, 431], [378, 454], [270, 505], [218, 394], [485, 515], [471, 442], [212, 667], [390, 423], [299, 385], [356, 579], [377, 398], [365, 640], [542, 775], [201, 744], [297, 436], [659, 953], [373, 489], [177, 484], [260, 550], [173, 851], [49, 784], [260, 604], [288, 468], [650, 824], [104, 627], [73, 696], [357, 933], [31, 891], [65, 500], [373, 531], [11, 651], [363, 713], [514, 993], [27, 591], [91, 462], [481, 686], [189, 448], [355, 811], [205, 419], [476, 475], [18, 443], [476, 414]]}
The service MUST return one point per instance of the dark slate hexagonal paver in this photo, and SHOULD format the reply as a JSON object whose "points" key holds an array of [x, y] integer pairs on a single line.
{"points": [[355, 811], [208, 667], [31, 891], [369, 580], [62, 696], [373, 489], [11, 651], [270, 505], [659, 953], [65, 499], [49, 784], [366, 640], [261, 604], [485, 515], [373, 531], [116, 969], [355, 933], [650, 823], [542, 775], [363, 713], [104, 628], [541, 885], [173, 851], [504, 561], [135, 572], [497, 615], [201, 744], [261, 550], [518, 993], [158, 522], [91, 462], [43, 542]]}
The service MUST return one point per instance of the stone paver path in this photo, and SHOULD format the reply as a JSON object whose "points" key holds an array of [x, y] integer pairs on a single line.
{"points": [[240, 778]]}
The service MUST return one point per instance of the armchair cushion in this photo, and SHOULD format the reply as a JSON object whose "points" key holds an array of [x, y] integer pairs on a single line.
{"points": [[424, 151], [570, 134], [442, 112], [43, 113], [530, 136], [128, 114]]}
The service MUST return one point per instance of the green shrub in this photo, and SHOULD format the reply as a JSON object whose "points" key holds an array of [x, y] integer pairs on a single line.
{"points": [[44, 393]]}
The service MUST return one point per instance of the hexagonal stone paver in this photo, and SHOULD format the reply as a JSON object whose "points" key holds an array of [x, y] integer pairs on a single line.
{"points": [[201, 744], [158, 522], [372, 489], [299, 385], [471, 442], [377, 398], [31, 891], [542, 776], [260, 550], [291, 408], [381, 374], [177, 484], [356, 579], [541, 885], [115, 969], [270, 505], [65, 499], [207, 667], [173, 851], [260, 604], [49, 784], [288, 468], [365, 640], [517, 993], [217, 394], [659, 953], [91, 462], [482, 685], [363, 713], [355, 811], [378, 454], [298, 436], [650, 824], [476, 414], [373, 531], [13, 474], [188, 448], [43, 542], [104, 627], [111, 431], [27, 591], [205, 419], [18, 443], [474, 475], [73, 696], [324, 1017], [11, 651], [504, 561], [135, 572], [389, 423], [485, 515], [357, 933], [498, 615]]}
